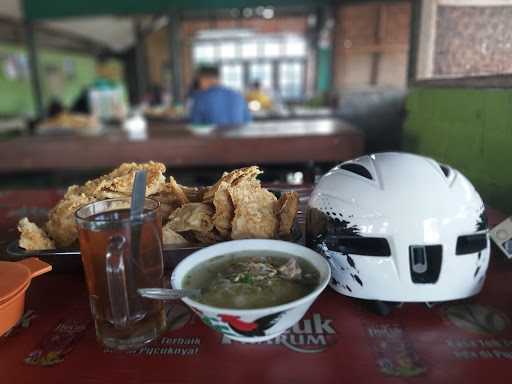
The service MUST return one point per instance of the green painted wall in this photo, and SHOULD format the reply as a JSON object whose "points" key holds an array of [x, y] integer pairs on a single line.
{"points": [[324, 59], [470, 129], [16, 94], [84, 74]]}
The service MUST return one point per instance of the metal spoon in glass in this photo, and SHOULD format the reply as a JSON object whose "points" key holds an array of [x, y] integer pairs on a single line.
{"points": [[167, 294]]}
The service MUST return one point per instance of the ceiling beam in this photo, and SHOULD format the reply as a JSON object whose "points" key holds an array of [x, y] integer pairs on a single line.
{"points": [[55, 9], [13, 31]]}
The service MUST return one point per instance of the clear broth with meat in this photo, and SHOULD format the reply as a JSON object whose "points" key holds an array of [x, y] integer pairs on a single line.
{"points": [[252, 279]]}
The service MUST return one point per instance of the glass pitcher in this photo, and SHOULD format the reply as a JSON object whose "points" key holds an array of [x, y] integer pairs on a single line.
{"points": [[117, 261]]}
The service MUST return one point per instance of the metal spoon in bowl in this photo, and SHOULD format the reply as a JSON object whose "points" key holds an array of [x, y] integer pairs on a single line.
{"points": [[167, 294]]}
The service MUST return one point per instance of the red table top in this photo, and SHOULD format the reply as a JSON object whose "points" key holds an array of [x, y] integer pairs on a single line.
{"points": [[339, 340]]}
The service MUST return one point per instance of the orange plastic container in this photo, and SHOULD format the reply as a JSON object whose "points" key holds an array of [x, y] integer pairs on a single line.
{"points": [[15, 279]]}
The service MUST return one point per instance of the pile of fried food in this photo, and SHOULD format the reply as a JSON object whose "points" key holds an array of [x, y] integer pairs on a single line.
{"points": [[235, 207], [73, 122]]}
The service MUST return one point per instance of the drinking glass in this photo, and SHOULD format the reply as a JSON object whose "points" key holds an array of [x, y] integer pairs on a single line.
{"points": [[118, 259]]}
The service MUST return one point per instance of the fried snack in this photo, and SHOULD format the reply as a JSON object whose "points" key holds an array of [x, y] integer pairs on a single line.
{"points": [[235, 207], [121, 179], [176, 190], [96, 188], [287, 207], [192, 217], [106, 194], [254, 211], [61, 224], [166, 207], [224, 210], [72, 121], [171, 197], [32, 237], [233, 178], [207, 237], [119, 182], [194, 194], [171, 237]]}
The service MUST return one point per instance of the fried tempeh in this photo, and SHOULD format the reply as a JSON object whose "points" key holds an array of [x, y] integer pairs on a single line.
{"points": [[208, 237], [192, 217], [254, 211], [235, 207], [232, 178], [171, 197], [171, 237], [121, 179], [194, 194], [224, 210], [61, 225], [32, 237], [286, 210]]}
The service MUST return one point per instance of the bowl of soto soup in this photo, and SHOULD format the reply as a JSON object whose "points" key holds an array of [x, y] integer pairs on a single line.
{"points": [[252, 290]]}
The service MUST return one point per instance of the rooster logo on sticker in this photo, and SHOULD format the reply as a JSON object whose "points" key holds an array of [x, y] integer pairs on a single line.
{"points": [[251, 329]]}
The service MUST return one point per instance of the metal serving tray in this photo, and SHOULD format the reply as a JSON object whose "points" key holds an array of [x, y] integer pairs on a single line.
{"points": [[68, 259]]}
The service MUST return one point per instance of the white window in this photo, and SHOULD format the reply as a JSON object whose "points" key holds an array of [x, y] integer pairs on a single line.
{"points": [[278, 62], [228, 50], [231, 76], [295, 47], [261, 72], [204, 53], [291, 79], [249, 49], [271, 48]]}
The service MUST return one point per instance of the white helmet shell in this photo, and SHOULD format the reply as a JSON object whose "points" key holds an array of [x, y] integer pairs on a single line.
{"points": [[399, 227]]}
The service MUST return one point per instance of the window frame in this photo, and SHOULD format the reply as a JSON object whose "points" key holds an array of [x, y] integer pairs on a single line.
{"points": [[260, 58], [302, 82]]}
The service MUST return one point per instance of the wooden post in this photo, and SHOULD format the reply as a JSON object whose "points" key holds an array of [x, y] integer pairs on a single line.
{"points": [[175, 55], [34, 69], [377, 41], [426, 25], [140, 62], [414, 34]]}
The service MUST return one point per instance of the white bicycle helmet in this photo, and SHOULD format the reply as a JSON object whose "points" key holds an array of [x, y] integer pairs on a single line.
{"points": [[401, 228]]}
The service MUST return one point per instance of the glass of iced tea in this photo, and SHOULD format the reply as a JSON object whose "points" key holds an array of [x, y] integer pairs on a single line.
{"points": [[117, 261]]}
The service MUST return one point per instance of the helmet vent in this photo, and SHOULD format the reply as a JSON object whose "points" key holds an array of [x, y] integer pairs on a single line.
{"points": [[357, 169], [425, 263], [445, 170], [358, 245], [470, 244]]}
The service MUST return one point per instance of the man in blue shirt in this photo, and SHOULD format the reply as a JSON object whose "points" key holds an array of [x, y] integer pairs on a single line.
{"points": [[216, 104]]}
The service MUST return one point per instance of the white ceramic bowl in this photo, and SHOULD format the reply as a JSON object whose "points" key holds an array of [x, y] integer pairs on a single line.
{"points": [[253, 325]]}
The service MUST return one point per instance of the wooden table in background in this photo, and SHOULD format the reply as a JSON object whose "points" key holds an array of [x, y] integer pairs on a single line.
{"points": [[265, 143]]}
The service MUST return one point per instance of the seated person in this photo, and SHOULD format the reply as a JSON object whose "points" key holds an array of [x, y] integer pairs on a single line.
{"points": [[256, 98], [216, 104]]}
